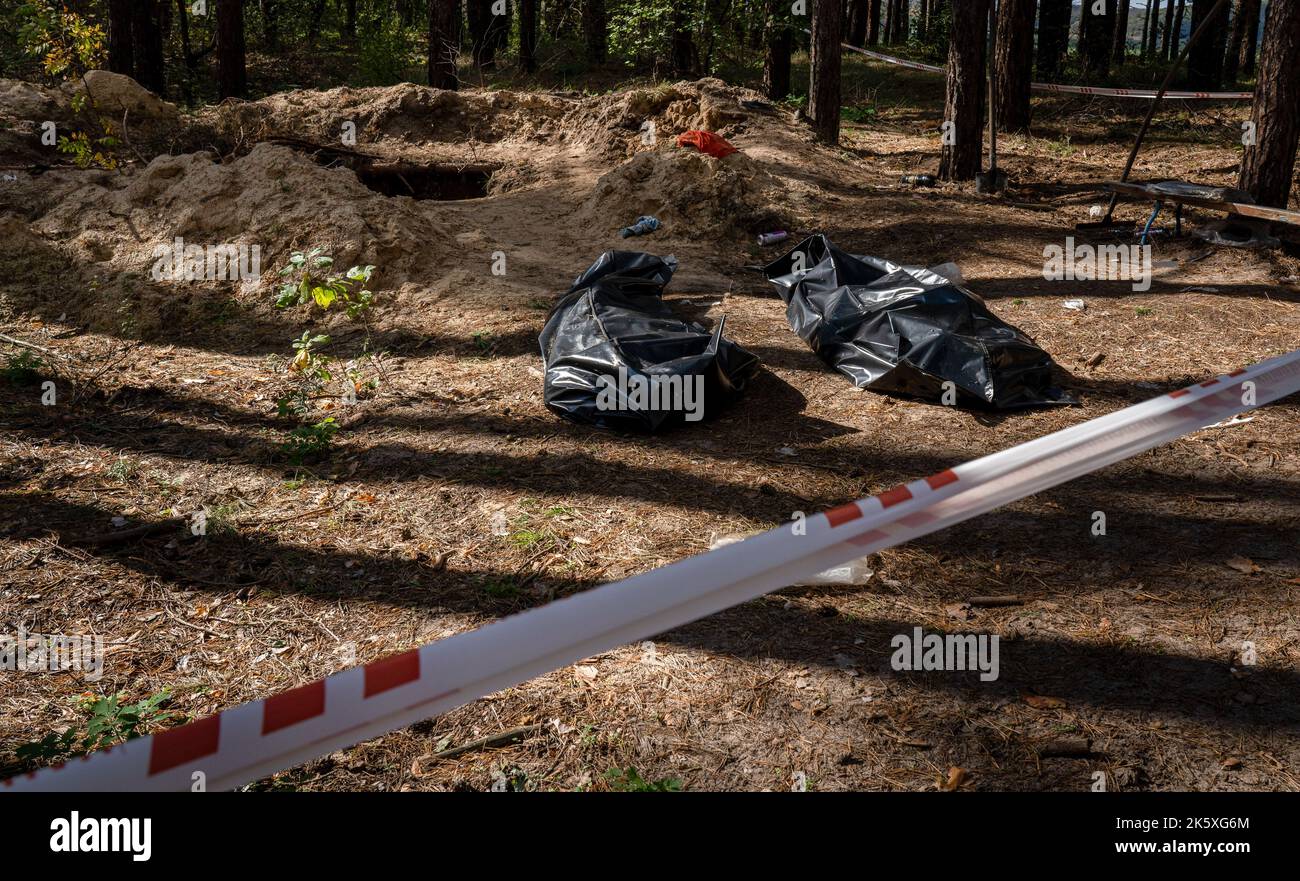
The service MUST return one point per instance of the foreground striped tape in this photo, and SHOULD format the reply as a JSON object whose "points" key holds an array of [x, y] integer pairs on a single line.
{"points": [[1054, 87], [251, 741]]}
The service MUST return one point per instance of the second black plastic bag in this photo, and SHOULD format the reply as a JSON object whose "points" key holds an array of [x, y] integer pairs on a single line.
{"points": [[617, 356], [908, 330]]}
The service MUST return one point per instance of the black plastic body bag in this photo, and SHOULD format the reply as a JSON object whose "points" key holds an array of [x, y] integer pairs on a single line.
{"points": [[616, 355], [907, 330]]}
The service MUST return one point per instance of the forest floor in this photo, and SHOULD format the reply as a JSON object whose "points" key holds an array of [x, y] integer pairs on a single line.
{"points": [[167, 396]]}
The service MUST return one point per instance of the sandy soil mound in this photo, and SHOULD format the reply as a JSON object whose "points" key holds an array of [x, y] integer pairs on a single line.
{"points": [[692, 194], [407, 113]]}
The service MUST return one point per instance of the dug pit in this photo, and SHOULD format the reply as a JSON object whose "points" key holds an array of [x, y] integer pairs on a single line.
{"points": [[443, 183]]}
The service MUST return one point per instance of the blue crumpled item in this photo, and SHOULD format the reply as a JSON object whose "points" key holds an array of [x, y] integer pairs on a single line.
{"points": [[644, 224]]}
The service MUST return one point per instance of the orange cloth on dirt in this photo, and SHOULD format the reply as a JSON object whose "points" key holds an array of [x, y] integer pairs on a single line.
{"points": [[706, 142]]}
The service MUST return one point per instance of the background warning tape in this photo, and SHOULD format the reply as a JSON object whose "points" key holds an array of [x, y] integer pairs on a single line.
{"points": [[1055, 87]]}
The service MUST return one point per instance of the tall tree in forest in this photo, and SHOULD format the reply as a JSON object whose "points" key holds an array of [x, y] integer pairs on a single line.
{"points": [[1205, 58], [593, 30], [350, 19], [1097, 36], [481, 33], [780, 43], [824, 69], [528, 35], [443, 46], [147, 44], [1053, 37], [1012, 67], [1150, 29], [856, 25], [270, 24], [873, 22], [963, 110], [1267, 166], [1232, 57], [899, 21], [1176, 38], [121, 53], [682, 48], [1121, 32], [1169, 29], [1250, 15], [232, 78]]}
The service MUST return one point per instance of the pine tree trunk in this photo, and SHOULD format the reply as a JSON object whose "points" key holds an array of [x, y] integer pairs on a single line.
{"points": [[964, 100], [899, 22], [1232, 57], [121, 51], [1151, 29], [873, 23], [146, 39], [1121, 32], [1012, 63], [270, 25], [857, 22], [232, 78], [350, 19], [1096, 37], [528, 35], [780, 44], [1267, 167], [1176, 40], [1250, 37], [481, 34], [1053, 37], [681, 47], [443, 46], [1205, 59], [593, 30], [824, 69]]}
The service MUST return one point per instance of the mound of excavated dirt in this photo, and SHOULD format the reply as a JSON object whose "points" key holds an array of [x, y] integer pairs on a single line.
{"points": [[407, 113], [110, 226], [691, 193], [568, 167]]}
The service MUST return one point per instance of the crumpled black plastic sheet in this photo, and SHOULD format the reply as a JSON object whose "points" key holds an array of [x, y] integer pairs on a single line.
{"points": [[613, 321], [907, 330]]}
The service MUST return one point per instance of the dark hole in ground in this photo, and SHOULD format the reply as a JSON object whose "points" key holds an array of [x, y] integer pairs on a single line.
{"points": [[443, 183]]}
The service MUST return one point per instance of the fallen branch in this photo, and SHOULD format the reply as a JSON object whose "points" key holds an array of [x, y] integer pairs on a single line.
{"points": [[26, 345], [503, 738]]}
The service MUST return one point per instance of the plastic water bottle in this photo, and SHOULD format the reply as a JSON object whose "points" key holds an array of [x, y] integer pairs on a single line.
{"points": [[918, 180], [771, 238]]}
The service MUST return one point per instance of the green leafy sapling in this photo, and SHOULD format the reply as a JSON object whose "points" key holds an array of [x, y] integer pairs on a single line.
{"points": [[308, 279]]}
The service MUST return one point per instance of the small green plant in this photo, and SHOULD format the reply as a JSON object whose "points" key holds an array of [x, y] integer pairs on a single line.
{"points": [[22, 368], [483, 342], [109, 721], [1143, 311], [122, 470], [630, 780], [859, 114], [308, 279], [308, 443]]}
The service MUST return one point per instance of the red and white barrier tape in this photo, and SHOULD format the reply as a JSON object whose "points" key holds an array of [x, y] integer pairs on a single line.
{"points": [[256, 739], [1054, 87]]}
